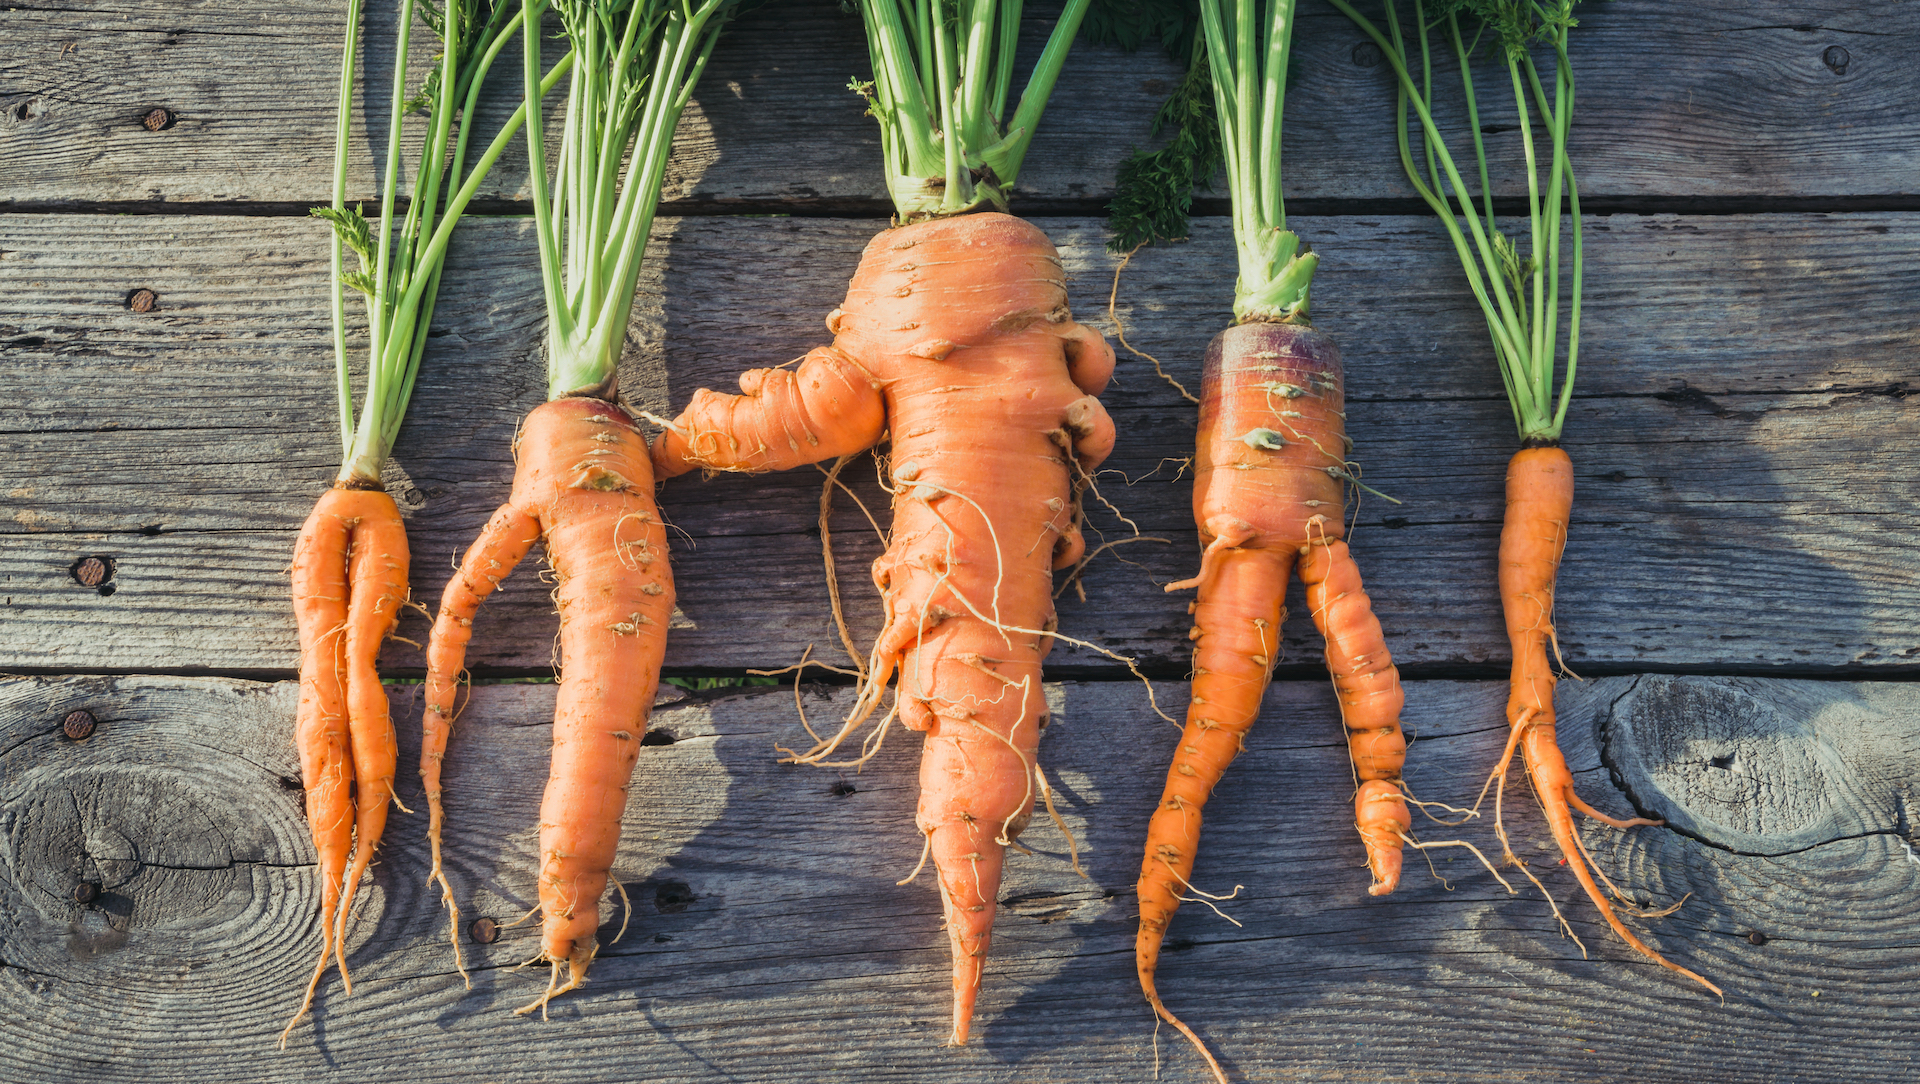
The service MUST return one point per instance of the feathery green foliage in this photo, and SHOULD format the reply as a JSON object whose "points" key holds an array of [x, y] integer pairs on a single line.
{"points": [[1153, 193], [400, 275]]}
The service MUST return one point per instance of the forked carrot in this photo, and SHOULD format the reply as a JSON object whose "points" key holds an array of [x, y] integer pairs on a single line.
{"points": [[1269, 496], [583, 482]]}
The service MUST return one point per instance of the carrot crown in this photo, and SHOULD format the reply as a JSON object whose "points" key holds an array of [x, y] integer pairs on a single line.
{"points": [[635, 66], [1520, 295], [400, 277], [1247, 52], [941, 73]]}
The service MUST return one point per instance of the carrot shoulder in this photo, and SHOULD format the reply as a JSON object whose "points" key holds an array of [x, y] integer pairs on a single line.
{"points": [[583, 485], [955, 338]]}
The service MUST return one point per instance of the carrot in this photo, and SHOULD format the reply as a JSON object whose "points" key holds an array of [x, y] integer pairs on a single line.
{"points": [[955, 337], [349, 583], [350, 561], [954, 341], [1268, 494], [583, 483], [1521, 300]]}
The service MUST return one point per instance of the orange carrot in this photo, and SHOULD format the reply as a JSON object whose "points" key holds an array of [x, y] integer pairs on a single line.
{"points": [[955, 338], [1268, 490], [584, 486], [1532, 537], [349, 583]]}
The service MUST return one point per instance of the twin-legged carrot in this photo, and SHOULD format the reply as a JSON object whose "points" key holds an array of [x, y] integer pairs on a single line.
{"points": [[585, 487], [1269, 496], [349, 583]]}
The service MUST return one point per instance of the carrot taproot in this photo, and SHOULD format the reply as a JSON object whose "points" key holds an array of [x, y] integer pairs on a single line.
{"points": [[956, 339], [584, 486], [1269, 495], [1533, 536]]}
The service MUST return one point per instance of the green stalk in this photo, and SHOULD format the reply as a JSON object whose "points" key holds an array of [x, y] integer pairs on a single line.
{"points": [[940, 89], [1520, 298], [400, 277], [635, 64]]}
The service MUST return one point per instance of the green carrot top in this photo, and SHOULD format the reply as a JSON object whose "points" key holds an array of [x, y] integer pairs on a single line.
{"points": [[942, 70], [1520, 295]]}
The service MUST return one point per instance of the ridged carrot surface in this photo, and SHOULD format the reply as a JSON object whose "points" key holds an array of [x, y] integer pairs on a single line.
{"points": [[955, 339]]}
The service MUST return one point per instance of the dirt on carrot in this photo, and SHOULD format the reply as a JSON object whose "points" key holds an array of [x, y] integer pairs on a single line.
{"points": [[956, 339]]}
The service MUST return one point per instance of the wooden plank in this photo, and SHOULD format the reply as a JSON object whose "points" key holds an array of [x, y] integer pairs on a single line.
{"points": [[769, 942], [1679, 102], [1746, 502]]}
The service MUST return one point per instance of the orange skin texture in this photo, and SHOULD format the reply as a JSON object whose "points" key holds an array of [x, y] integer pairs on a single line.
{"points": [[584, 485], [1532, 537], [954, 337], [1261, 512], [349, 583]]}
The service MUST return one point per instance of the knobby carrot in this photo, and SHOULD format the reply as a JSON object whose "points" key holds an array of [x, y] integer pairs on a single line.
{"points": [[1521, 299], [956, 338], [350, 561]]}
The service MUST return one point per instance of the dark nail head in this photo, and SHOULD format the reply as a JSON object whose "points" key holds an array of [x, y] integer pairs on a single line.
{"points": [[1367, 55], [77, 724], [86, 892], [158, 120], [142, 300], [91, 571], [1837, 58], [1757, 937], [484, 931]]}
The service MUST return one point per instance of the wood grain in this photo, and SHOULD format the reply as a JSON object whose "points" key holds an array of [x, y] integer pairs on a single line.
{"points": [[1729, 100], [1740, 507], [768, 941]]}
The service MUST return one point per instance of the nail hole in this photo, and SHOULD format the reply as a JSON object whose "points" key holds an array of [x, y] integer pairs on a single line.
{"points": [[842, 789], [658, 737], [1724, 763], [673, 897], [24, 112]]}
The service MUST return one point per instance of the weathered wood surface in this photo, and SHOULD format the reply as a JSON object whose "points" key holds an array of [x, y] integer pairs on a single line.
{"points": [[1680, 103], [769, 942], [1743, 438]]}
